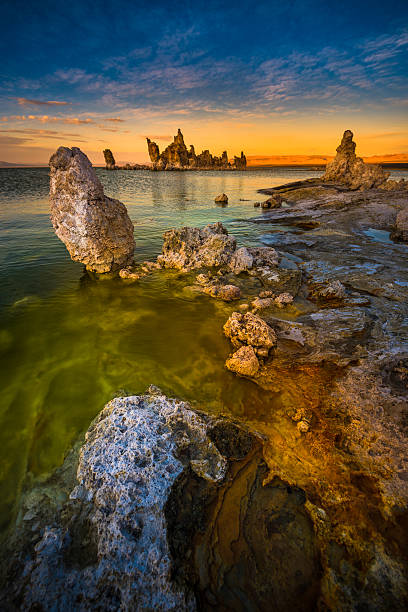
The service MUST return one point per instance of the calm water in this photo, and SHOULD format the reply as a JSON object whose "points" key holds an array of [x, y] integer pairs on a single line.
{"points": [[68, 345]]}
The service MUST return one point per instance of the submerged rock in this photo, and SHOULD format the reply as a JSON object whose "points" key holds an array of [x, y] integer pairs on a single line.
{"points": [[350, 170], [96, 229]]}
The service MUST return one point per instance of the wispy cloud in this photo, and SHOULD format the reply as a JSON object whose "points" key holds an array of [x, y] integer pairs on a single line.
{"points": [[29, 102]]}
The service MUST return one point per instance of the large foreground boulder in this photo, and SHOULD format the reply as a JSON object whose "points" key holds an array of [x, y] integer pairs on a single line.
{"points": [[167, 511], [350, 170], [96, 229]]}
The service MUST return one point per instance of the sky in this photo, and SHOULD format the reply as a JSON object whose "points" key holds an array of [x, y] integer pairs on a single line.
{"points": [[267, 77]]}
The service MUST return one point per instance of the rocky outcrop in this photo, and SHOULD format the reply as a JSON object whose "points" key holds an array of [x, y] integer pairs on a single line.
{"points": [[148, 515], [96, 229], [350, 170], [191, 248], [109, 159], [176, 156]]}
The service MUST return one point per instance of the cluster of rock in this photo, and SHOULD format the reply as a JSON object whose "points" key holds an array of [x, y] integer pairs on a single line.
{"points": [[96, 229], [350, 170], [176, 156]]}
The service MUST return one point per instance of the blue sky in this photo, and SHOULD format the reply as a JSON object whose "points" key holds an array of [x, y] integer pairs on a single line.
{"points": [[116, 69]]}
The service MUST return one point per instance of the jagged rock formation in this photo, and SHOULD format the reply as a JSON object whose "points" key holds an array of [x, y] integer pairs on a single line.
{"points": [[95, 229], [109, 159], [350, 170], [177, 157]]}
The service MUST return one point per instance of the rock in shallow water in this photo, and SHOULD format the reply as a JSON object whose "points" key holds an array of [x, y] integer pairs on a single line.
{"points": [[96, 229]]}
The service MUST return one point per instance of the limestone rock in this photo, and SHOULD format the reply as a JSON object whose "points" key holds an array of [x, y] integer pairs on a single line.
{"points": [[190, 248], [327, 291], [177, 157], [243, 362], [95, 229], [249, 329], [227, 293], [241, 261], [221, 198], [400, 231], [350, 170], [283, 299], [272, 202], [109, 159]]}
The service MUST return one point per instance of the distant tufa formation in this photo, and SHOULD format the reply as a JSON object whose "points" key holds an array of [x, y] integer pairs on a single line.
{"points": [[177, 157], [350, 170], [109, 159]]}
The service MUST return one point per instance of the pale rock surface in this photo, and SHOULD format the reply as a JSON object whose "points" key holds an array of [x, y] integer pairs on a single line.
{"points": [[191, 248], [96, 229], [108, 548], [241, 260]]}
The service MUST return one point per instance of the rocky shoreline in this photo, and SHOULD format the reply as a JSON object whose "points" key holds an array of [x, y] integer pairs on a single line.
{"points": [[305, 508]]}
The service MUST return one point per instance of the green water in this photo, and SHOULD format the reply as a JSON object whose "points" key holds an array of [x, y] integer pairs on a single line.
{"points": [[68, 344]]}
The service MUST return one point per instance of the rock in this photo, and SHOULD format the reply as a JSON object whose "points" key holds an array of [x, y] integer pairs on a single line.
{"points": [[240, 162], [109, 159], [272, 202], [400, 231], [327, 291], [130, 274], [95, 229], [261, 303], [257, 204], [243, 362], [228, 293], [190, 248], [249, 329], [241, 261], [283, 299], [350, 170], [266, 294], [303, 427], [177, 157], [223, 198]]}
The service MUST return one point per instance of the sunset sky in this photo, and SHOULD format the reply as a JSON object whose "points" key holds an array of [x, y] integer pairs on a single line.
{"points": [[268, 77]]}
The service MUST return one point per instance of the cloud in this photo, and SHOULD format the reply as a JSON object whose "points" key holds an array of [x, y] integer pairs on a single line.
{"points": [[44, 134], [28, 102], [116, 119]]}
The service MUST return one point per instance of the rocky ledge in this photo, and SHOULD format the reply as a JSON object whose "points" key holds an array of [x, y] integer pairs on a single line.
{"points": [[177, 157]]}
